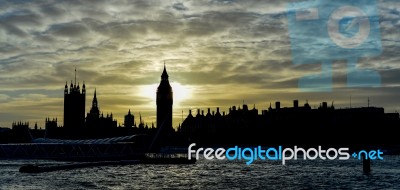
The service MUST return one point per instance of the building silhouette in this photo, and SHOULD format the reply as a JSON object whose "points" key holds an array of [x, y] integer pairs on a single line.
{"points": [[164, 103], [74, 105], [50, 123], [94, 110], [129, 120], [21, 132], [297, 125], [20, 125], [95, 120]]}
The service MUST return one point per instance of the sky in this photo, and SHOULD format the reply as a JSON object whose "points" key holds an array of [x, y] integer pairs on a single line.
{"points": [[218, 53]]}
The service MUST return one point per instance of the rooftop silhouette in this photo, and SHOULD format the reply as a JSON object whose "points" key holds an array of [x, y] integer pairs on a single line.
{"points": [[301, 125], [243, 125]]}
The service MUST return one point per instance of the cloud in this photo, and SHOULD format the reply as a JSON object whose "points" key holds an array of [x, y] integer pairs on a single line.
{"points": [[179, 7], [223, 50]]}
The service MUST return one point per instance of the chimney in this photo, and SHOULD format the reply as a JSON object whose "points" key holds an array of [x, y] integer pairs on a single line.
{"points": [[277, 105], [324, 105], [245, 108], [295, 103]]}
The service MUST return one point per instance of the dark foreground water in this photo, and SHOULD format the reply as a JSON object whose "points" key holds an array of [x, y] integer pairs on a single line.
{"points": [[317, 174]]}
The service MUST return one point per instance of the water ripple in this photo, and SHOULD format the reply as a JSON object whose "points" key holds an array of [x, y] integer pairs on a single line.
{"points": [[317, 174]]}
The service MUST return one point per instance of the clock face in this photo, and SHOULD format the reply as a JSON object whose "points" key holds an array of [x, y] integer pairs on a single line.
{"points": [[348, 27], [164, 95]]}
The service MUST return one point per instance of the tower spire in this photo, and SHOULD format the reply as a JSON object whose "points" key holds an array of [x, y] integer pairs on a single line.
{"points": [[75, 76], [94, 102], [164, 75], [164, 102]]}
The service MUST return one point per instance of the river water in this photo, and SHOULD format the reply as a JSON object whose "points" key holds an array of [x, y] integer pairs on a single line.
{"points": [[216, 174]]}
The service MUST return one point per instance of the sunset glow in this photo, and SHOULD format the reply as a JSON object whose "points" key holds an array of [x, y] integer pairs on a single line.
{"points": [[217, 53]]}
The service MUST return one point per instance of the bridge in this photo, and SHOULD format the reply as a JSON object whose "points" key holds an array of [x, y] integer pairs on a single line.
{"points": [[126, 147]]}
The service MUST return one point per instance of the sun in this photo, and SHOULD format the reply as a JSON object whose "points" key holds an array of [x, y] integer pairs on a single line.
{"points": [[180, 92]]}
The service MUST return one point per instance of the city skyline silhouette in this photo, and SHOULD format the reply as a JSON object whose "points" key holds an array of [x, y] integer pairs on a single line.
{"points": [[242, 124], [178, 116]]}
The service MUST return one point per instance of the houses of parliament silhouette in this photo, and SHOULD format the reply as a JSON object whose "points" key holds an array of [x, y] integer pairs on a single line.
{"points": [[297, 125], [95, 124]]}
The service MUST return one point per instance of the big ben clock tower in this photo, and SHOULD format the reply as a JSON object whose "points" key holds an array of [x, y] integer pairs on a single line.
{"points": [[164, 106]]}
